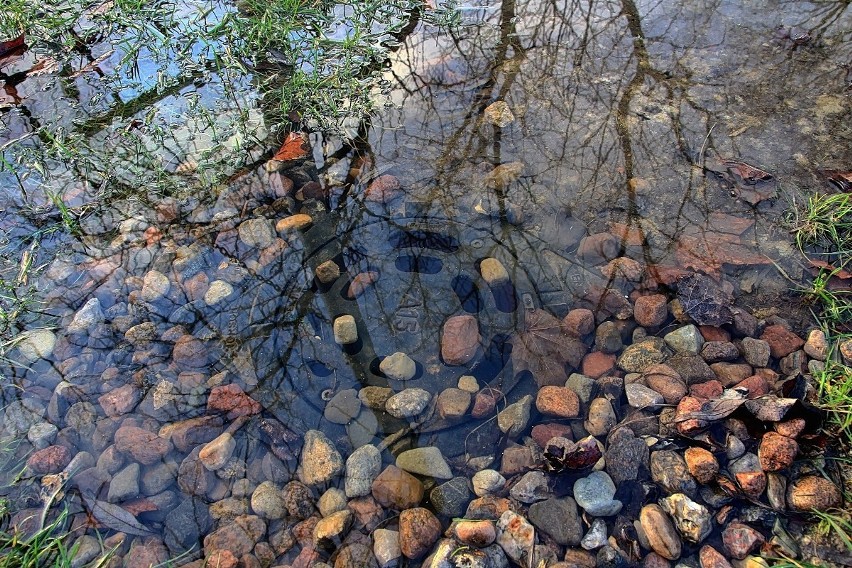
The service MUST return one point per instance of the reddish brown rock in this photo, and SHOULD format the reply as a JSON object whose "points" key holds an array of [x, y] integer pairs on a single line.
{"points": [[597, 364], [777, 452], [487, 507], [578, 558], [187, 434], [297, 222], [713, 333], [740, 540], [146, 447], [460, 340], [651, 311], [625, 268], [190, 353], [476, 533], [653, 560], [221, 559], [517, 459], [702, 465], [51, 459], [419, 529], [239, 537], [196, 286], [542, 433], [120, 401], [578, 322], [686, 424], [599, 247], [231, 401], [756, 386], [383, 189], [790, 428], [707, 390], [709, 557], [485, 403], [663, 379], [781, 340], [561, 402], [368, 512], [731, 373], [752, 483], [397, 488], [813, 492], [361, 282]]}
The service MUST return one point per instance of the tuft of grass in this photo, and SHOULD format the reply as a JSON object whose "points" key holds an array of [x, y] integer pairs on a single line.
{"points": [[834, 385], [825, 222]]}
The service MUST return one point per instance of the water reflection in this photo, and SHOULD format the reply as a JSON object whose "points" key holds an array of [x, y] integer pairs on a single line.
{"points": [[196, 342]]}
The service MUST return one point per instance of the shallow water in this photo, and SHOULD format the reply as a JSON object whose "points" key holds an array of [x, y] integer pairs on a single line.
{"points": [[624, 117]]}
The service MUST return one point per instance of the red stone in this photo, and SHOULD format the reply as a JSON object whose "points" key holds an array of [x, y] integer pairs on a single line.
{"points": [[753, 483], [51, 459], [781, 340], [777, 452], [578, 322], [707, 390], [561, 402], [740, 540], [790, 428], [190, 353], [712, 333], [542, 433], [651, 311], [418, 531], [231, 401], [597, 364], [485, 403], [120, 401], [686, 425], [702, 464], [460, 340], [756, 386], [146, 447], [709, 557], [397, 488]]}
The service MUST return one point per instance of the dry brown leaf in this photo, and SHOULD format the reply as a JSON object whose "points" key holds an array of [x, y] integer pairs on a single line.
{"points": [[544, 350]]}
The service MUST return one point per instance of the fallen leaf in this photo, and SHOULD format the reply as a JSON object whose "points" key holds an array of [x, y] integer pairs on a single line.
{"points": [[563, 454], [704, 300], [544, 350], [840, 179], [770, 408], [746, 172], [12, 47], [835, 272], [116, 518], [295, 147]]}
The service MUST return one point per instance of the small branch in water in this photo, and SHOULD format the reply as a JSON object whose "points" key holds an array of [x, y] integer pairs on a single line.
{"points": [[704, 147]]}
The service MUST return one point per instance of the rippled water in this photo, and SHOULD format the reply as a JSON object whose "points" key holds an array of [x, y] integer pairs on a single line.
{"points": [[630, 121]]}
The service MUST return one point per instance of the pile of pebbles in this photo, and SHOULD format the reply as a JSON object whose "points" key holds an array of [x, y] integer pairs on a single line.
{"points": [[669, 443]]}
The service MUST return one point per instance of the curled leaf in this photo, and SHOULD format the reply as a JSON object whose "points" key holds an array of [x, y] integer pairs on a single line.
{"points": [[116, 518]]}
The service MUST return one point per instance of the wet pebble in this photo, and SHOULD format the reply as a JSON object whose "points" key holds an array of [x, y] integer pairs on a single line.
{"points": [[560, 402], [531, 487], [740, 540], [297, 222], [476, 533], [452, 403], [601, 418], [87, 317], [36, 344], [487, 481], [637, 357], [330, 531], [686, 339], [777, 452], [669, 470], [640, 396], [398, 367], [515, 535], [755, 351], [419, 529], [594, 493], [256, 233], [559, 519], [692, 520], [408, 403], [362, 467], [343, 407], [651, 311], [267, 502], [386, 547], [218, 291], [813, 492], [397, 489], [660, 532], [460, 340], [596, 536], [427, 461], [450, 499], [701, 464], [320, 461], [345, 330], [124, 484], [514, 418], [327, 272]]}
